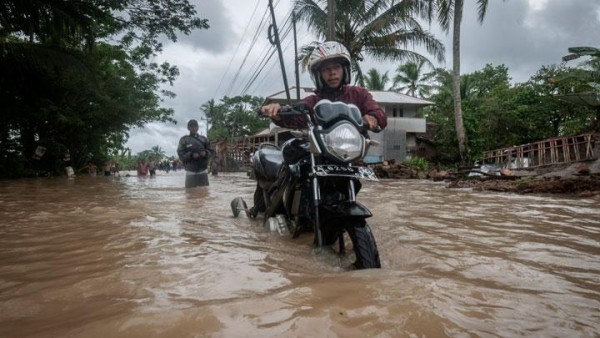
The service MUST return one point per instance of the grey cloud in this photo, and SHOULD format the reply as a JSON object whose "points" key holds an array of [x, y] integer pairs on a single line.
{"points": [[156, 134], [193, 88], [524, 40], [216, 38]]}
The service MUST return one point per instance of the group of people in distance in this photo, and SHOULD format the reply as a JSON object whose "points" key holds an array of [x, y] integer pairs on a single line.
{"points": [[108, 169], [330, 71]]}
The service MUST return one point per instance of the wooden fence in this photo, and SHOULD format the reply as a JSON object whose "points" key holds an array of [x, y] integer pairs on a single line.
{"points": [[235, 155], [552, 151]]}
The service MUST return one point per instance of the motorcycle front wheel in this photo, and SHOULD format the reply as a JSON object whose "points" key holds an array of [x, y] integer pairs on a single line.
{"points": [[363, 242]]}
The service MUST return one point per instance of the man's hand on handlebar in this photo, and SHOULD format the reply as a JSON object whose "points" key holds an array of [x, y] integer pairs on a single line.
{"points": [[371, 121], [271, 110]]}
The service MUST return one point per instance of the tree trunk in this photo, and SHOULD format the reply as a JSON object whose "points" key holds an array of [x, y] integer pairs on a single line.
{"points": [[458, 115]]}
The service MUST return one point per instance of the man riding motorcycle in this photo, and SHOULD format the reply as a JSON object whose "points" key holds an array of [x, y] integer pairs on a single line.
{"points": [[330, 71], [329, 66]]}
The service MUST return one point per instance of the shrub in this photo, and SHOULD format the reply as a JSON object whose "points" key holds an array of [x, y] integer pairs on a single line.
{"points": [[417, 163]]}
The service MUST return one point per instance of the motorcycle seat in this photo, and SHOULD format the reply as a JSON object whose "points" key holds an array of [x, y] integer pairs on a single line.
{"points": [[270, 161]]}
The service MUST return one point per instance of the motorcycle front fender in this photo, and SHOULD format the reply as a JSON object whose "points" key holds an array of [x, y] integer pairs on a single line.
{"points": [[349, 209]]}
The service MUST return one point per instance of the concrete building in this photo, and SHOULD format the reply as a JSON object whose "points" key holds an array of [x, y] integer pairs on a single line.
{"points": [[399, 139]]}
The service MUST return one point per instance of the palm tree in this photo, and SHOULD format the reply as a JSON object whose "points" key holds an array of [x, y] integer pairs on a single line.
{"points": [[381, 29], [452, 10], [590, 70], [157, 152], [211, 113], [414, 82], [443, 87], [375, 80], [577, 52], [588, 91]]}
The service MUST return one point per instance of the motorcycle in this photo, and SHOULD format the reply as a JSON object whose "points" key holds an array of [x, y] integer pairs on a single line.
{"points": [[310, 183]]}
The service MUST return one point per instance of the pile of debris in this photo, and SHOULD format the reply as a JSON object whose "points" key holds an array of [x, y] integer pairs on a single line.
{"points": [[584, 186], [582, 179], [396, 170]]}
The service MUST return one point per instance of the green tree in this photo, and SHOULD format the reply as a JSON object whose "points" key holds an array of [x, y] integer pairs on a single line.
{"points": [[587, 92], [375, 80], [411, 79], [66, 88], [561, 117], [447, 10], [474, 90], [156, 152], [234, 116], [498, 115], [379, 29], [213, 114]]}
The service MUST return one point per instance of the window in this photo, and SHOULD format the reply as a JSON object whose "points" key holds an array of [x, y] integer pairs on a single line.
{"points": [[397, 112]]}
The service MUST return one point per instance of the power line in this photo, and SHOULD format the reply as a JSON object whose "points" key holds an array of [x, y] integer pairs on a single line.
{"points": [[259, 62], [238, 47], [257, 72], [272, 66], [286, 28], [252, 43]]}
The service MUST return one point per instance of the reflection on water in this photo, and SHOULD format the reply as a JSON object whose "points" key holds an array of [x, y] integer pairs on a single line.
{"points": [[98, 257]]}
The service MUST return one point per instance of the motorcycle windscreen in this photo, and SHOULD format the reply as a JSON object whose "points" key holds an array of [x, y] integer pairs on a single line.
{"points": [[327, 112]]}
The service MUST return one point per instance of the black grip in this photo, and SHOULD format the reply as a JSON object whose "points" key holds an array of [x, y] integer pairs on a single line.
{"points": [[287, 110]]}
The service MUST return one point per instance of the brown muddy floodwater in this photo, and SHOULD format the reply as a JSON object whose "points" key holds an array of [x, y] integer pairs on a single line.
{"points": [[142, 257]]}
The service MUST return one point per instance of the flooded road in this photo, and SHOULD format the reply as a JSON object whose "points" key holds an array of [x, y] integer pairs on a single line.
{"points": [[142, 257]]}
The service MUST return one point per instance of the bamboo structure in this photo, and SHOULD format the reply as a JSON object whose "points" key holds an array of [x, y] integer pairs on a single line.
{"points": [[235, 154], [558, 150]]}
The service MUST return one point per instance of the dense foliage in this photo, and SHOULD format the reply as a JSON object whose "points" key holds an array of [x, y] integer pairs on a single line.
{"points": [[234, 116], [498, 114], [76, 75]]}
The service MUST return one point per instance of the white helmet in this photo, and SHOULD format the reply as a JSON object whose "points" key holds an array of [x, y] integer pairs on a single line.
{"points": [[328, 50]]}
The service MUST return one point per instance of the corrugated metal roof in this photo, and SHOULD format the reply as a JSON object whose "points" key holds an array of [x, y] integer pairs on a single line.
{"points": [[393, 97], [381, 97], [281, 96], [264, 132]]}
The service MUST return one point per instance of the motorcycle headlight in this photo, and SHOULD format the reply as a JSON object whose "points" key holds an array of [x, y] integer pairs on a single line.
{"points": [[344, 142]]}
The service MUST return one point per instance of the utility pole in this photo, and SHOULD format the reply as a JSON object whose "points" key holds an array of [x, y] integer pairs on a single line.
{"points": [[205, 118], [206, 121], [274, 39], [331, 20], [296, 57]]}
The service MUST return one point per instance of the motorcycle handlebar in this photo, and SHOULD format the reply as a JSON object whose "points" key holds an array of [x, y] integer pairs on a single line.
{"points": [[287, 110], [300, 109], [366, 127]]}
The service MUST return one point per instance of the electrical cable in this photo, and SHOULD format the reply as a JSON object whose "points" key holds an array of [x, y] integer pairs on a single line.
{"points": [[236, 49], [286, 28], [252, 44]]}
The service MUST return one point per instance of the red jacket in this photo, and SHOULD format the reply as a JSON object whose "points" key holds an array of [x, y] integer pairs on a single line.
{"points": [[358, 96]]}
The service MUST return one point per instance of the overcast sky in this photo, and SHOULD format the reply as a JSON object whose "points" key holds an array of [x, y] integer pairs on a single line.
{"points": [[523, 35]]}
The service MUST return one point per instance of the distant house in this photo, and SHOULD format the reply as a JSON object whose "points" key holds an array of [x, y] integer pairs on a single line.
{"points": [[399, 139]]}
